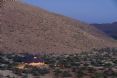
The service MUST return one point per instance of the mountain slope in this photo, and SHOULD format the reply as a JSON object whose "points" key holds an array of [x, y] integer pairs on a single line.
{"points": [[109, 28], [25, 28]]}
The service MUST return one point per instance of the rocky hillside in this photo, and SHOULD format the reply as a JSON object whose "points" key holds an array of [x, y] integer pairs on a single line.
{"points": [[25, 28]]}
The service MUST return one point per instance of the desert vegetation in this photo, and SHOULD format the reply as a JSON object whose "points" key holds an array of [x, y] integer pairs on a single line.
{"points": [[97, 63], [1, 3]]}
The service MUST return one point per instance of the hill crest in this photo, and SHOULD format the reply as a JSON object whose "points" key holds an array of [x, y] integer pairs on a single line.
{"points": [[25, 28]]}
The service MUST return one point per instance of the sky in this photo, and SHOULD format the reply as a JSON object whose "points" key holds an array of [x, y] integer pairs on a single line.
{"points": [[89, 11]]}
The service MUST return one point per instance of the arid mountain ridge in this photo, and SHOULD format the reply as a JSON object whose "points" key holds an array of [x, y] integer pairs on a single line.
{"points": [[25, 28], [109, 28]]}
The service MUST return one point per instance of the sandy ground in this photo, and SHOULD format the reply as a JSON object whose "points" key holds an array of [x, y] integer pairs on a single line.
{"points": [[7, 72], [4, 73]]}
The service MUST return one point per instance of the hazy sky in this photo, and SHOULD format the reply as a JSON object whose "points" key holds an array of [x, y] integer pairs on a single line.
{"points": [[91, 11]]}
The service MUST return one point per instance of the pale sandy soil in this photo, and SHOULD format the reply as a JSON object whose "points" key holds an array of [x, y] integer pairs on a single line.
{"points": [[7, 72]]}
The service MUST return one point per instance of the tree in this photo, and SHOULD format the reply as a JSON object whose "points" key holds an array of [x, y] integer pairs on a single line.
{"points": [[80, 74], [57, 72], [66, 74], [98, 75]]}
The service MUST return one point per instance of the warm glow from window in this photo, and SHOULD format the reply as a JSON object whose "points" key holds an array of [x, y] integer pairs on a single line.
{"points": [[39, 64]]}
